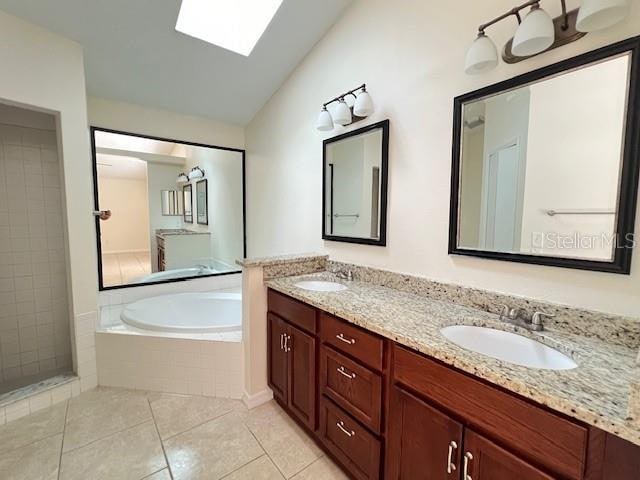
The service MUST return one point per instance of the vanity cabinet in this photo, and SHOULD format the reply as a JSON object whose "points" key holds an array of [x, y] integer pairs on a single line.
{"points": [[292, 356], [383, 411]]}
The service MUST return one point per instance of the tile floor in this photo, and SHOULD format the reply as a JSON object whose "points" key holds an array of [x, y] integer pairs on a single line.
{"points": [[115, 434], [121, 268]]}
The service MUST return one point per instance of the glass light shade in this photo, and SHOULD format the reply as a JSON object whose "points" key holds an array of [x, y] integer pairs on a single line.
{"points": [[342, 113], [600, 14], [196, 172], [535, 34], [364, 105], [182, 178], [482, 56], [324, 122]]}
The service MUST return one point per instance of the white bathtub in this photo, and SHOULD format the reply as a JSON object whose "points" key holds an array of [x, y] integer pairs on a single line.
{"points": [[186, 313]]}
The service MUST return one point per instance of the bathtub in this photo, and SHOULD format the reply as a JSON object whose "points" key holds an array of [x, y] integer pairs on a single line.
{"points": [[186, 313]]}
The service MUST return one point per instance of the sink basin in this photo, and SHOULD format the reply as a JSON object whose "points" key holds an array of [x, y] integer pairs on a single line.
{"points": [[320, 286], [508, 347]]}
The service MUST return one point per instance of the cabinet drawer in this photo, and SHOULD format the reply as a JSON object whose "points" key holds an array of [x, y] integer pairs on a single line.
{"points": [[534, 433], [355, 388], [293, 311], [356, 448], [354, 341]]}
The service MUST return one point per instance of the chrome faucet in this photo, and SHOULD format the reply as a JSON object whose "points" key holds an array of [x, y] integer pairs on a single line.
{"points": [[519, 317], [348, 275]]}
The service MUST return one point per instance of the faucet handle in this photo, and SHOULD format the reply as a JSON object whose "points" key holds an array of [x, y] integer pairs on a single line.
{"points": [[504, 310], [538, 315]]}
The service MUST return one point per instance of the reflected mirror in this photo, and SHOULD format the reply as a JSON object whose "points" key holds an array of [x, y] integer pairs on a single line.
{"points": [[150, 236], [172, 203], [544, 168], [355, 186], [201, 201]]}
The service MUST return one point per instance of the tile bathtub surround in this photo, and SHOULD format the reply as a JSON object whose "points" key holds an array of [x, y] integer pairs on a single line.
{"points": [[287, 265], [216, 439], [602, 391], [614, 329], [34, 314], [173, 365]]}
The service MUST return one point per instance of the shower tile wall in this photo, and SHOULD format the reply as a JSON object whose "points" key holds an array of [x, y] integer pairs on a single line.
{"points": [[34, 314]]}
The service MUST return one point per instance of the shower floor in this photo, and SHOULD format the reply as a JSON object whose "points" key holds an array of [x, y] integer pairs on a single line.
{"points": [[23, 387]]}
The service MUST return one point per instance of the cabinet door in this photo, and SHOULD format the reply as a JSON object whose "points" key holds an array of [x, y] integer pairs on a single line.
{"points": [[487, 461], [301, 349], [424, 443], [277, 330]]}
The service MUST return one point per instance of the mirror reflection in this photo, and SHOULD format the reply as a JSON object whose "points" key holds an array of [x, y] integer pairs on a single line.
{"points": [[150, 235], [541, 165], [355, 185]]}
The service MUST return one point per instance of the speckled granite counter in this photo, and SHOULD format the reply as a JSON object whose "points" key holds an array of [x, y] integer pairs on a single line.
{"points": [[603, 391]]}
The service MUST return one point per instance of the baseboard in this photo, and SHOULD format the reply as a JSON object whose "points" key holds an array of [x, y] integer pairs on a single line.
{"points": [[257, 399]]}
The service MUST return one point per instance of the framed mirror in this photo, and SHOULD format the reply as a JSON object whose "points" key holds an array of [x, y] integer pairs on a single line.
{"points": [[545, 165], [202, 202], [354, 185], [187, 192], [172, 203]]}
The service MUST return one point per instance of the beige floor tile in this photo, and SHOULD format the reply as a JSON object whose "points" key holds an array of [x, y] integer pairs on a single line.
{"points": [[290, 448], [107, 416], [177, 413], [212, 450], [260, 469], [33, 427], [161, 475], [321, 469], [37, 461], [94, 401], [130, 454]]}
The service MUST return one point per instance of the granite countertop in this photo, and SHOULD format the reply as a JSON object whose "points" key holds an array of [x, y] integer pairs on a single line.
{"points": [[604, 390], [178, 231], [281, 259]]}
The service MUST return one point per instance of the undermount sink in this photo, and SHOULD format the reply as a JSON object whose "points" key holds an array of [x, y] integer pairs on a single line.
{"points": [[320, 286], [508, 347]]}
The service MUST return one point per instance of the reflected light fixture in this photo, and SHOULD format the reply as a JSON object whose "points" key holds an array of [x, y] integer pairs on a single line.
{"points": [[234, 25], [182, 178], [351, 106], [196, 172], [538, 32]]}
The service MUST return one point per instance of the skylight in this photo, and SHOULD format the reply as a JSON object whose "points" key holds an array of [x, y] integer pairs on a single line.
{"points": [[235, 25]]}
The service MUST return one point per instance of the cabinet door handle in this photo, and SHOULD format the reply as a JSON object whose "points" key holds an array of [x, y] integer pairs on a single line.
{"points": [[342, 338], [467, 458], [348, 433], [450, 465], [341, 370], [282, 341], [286, 343]]}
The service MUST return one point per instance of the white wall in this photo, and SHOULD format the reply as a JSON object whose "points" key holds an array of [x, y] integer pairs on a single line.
{"points": [[411, 58], [46, 71], [223, 172], [162, 123], [128, 228]]}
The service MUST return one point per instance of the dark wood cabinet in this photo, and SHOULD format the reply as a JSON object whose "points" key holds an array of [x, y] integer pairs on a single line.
{"points": [[301, 352], [376, 406], [484, 460], [277, 330], [423, 442]]}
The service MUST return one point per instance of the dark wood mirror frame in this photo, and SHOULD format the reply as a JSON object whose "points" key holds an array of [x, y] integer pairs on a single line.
{"points": [[382, 240], [188, 217], [628, 189], [206, 203]]}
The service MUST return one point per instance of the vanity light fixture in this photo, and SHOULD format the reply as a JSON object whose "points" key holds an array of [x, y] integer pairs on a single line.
{"points": [[344, 112], [538, 32], [196, 172], [182, 178]]}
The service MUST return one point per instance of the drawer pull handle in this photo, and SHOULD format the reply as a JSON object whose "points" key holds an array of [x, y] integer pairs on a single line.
{"points": [[348, 433], [341, 370], [465, 474], [348, 341], [450, 465], [287, 338]]}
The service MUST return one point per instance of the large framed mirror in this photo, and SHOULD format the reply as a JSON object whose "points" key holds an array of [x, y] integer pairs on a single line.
{"points": [[159, 226], [545, 165], [354, 185]]}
